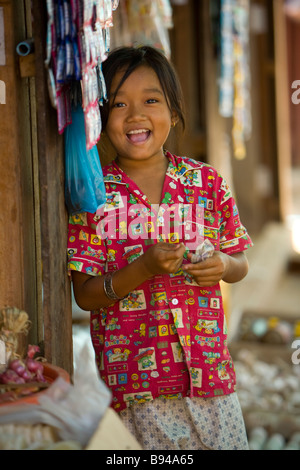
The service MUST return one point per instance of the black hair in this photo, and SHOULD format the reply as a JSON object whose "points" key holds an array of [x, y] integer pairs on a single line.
{"points": [[128, 59]]}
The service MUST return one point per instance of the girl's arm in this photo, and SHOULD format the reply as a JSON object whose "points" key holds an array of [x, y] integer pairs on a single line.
{"points": [[228, 268], [158, 259]]}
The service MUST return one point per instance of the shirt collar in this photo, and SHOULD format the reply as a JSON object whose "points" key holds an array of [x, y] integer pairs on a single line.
{"points": [[178, 167]]}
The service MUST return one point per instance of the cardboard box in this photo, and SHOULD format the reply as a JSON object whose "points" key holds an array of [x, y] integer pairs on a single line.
{"points": [[112, 435]]}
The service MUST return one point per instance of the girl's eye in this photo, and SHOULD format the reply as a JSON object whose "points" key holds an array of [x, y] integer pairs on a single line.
{"points": [[151, 100], [118, 105]]}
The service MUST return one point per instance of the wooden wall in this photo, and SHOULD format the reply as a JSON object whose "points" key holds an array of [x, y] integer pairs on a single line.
{"points": [[19, 226], [33, 218]]}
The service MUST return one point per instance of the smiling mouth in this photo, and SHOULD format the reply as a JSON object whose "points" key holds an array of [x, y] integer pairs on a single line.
{"points": [[138, 135]]}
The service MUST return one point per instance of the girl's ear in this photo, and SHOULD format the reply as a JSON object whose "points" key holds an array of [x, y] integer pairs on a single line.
{"points": [[174, 119], [174, 122]]}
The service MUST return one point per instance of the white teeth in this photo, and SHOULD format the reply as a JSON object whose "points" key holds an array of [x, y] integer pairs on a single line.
{"points": [[138, 131]]}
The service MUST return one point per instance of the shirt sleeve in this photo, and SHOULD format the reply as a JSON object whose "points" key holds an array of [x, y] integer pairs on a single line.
{"points": [[233, 235], [86, 250]]}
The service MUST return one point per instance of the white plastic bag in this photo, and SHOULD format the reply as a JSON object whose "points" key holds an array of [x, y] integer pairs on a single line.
{"points": [[74, 410]]}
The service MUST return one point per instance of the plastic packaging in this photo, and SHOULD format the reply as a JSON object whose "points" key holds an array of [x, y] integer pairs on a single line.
{"points": [[84, 185], [203, 251], [74, 411]]}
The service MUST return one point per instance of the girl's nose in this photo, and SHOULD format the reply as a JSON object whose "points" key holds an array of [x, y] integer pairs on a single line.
{"points": [[135, 112]]}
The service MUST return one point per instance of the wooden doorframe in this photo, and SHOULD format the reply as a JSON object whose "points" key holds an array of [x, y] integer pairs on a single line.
{"points": [[57, 311]]}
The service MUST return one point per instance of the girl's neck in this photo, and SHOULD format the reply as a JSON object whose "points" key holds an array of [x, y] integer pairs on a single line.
{"points": [[136, 168], [149, 178]]}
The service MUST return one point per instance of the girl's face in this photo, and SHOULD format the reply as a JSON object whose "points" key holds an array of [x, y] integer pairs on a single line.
{"points": [[139, 119]]}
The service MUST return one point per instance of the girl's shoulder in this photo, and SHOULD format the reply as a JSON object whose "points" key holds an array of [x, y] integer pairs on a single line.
{"points": [[109, 168], [191, 164]]}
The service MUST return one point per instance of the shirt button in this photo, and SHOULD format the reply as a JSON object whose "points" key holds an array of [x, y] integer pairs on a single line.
{"points": [[175, 301]]}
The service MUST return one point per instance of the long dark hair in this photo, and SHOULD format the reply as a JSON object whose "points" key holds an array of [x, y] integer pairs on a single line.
{"points": [[128, 59]]}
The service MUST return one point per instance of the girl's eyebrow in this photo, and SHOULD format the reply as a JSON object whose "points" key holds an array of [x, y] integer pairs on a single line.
{"points": [[146, 90], [153, 90]]}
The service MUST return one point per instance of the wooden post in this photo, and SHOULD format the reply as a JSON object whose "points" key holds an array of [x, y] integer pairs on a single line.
{"points": [[283, 89], [57, 314], [218, 128]]}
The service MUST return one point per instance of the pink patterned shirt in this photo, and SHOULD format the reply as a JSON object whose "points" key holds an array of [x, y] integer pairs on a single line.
{"points": [[168, 337]]}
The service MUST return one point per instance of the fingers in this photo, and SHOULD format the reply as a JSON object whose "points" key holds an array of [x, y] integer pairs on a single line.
{"points": [[201, 266], [170, 246], [208, 272], [169, 251], [164, 257], [217, 261], [205, 277]]}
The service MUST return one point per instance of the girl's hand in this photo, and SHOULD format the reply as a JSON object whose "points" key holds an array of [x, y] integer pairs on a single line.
{"points": [[229, 268], [158, 259], [163, 258]]}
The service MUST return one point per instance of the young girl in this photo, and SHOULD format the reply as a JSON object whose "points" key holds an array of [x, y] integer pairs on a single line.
{"points": [[157, 321]]}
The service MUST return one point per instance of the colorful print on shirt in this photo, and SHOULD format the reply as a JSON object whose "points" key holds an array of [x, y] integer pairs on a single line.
{"points": [[168, 337]]}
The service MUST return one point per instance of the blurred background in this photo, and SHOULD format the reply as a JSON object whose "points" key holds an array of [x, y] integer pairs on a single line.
{"points": [[238, 65]]}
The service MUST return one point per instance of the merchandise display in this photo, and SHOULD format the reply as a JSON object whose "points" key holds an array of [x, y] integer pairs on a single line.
{"points": [[292, 9], [78, 38], [268, 329], [268, 380], [260, 440], [270, 399], [143, 22], [234, 96], [266, 386], [22, 374], [51, 419]]}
